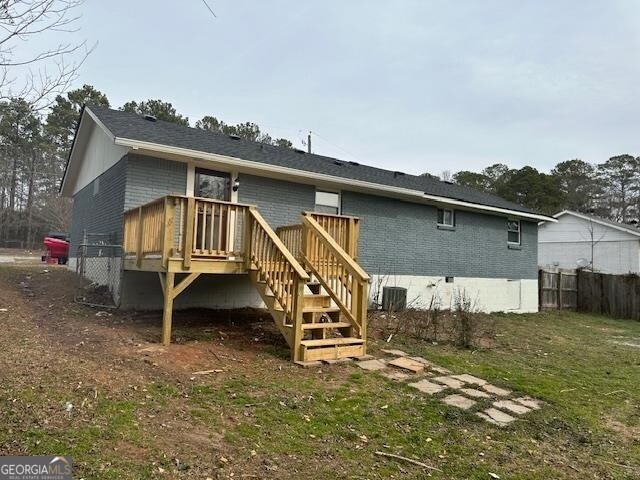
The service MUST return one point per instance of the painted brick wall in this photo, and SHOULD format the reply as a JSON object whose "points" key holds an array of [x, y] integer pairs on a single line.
{"points": [[98, 207], [149, 178], [402, 238], [279, 202]]}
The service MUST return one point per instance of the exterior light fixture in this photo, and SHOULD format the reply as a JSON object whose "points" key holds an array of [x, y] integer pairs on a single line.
{"points": [[236, 184]]}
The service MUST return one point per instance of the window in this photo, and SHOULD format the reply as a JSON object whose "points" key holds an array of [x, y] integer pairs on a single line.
{"points": [[327, 202], [446, 217], [212, 184], [513, 232]]}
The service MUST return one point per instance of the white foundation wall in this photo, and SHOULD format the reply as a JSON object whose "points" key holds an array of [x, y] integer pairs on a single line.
{"points": [[487, 294]]}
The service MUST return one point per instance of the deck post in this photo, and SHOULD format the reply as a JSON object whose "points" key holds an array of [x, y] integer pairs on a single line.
{"points": [[167, 312], [188, 234], [168, 229], [246, 237], [298, 304]]}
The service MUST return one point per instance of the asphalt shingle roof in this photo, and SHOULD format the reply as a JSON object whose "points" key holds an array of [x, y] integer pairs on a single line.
{"points": [[136, 127]]}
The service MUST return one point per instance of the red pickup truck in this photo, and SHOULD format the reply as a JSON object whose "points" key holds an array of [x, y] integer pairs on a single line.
{"points": [[57, 248]]}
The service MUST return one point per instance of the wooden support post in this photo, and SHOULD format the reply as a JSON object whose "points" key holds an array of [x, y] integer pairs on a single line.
{"points": [[167, 312], [139, 254], [246, 237], [168, 229], [188, 234], [298, 304]]}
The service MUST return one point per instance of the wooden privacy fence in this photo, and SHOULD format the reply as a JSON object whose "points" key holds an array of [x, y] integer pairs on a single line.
{"points": [[557, 290], [613, 295]]}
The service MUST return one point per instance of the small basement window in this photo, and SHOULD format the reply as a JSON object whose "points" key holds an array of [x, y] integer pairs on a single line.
{"points": [[327, 202], [446, 217], [513, 232]]}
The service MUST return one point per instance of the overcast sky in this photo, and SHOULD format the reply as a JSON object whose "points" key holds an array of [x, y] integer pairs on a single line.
{"points": [[406, 85]]}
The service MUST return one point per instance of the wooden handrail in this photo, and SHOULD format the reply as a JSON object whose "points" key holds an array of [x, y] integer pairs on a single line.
{"points": [[344, 229], [336, 249], [277, 267], [341, 276], [278, 243]]}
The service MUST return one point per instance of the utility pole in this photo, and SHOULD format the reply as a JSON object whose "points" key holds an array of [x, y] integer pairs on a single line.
{"points": [[309, 142]]}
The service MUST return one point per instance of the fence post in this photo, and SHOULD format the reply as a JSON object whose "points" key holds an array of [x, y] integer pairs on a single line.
{"points": [[559, 290]]}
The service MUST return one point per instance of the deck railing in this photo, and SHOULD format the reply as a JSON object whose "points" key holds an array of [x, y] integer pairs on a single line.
{"points": [[277, 267], [345, 230], [182, 227], [291, 236], [341, 276]]}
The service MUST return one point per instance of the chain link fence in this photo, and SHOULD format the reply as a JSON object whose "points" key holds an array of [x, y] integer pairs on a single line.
{"points": [[99, 271]]}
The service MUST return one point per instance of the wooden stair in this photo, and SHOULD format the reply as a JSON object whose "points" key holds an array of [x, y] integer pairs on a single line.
{"points": [[315, 291], [325, 336]]}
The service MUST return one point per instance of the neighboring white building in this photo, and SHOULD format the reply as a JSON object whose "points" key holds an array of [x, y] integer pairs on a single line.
{"points": [[580, 240]]}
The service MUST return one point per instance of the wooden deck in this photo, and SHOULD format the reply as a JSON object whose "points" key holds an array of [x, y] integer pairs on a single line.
{"points": [[306, 274]]}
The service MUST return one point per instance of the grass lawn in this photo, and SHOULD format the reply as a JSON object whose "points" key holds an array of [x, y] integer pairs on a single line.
{"points": [[141, 412]]}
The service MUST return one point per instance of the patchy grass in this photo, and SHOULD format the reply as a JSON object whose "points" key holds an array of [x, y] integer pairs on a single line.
{"points": [[144, 414]]}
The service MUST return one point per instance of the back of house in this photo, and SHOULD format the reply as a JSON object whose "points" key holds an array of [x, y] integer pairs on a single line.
{"points": [[438, 240]]}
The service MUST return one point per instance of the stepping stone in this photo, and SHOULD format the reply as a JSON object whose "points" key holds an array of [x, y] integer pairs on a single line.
{"points": [[422, 361], [371, 365], [496, 417], [466, 378], [440, 370], [511, 406], [473, 393], [449, 382], [330, 361], [407, 364], [362, 358], [396, 375], [311, 364], [397, 353], [501, 392], [532, 403], [426, 386], [459, 401]]}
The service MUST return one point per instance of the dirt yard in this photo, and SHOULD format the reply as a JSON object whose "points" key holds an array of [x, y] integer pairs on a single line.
{"points": [[225, 402]]}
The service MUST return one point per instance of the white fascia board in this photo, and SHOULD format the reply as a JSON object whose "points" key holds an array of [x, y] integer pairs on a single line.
{"points": [[414, 195], [599, 222]]}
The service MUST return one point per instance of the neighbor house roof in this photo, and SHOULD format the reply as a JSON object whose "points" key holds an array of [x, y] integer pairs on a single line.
{"points": [[138, 131], [601, 221]]}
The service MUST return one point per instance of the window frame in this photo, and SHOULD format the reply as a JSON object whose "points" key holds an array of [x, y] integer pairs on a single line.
{"points": [[333, 192], [453, 217], [212, 173], [519, 231]]}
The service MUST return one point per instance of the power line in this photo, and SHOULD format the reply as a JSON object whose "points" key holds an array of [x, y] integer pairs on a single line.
{"points": [[209, 8]]}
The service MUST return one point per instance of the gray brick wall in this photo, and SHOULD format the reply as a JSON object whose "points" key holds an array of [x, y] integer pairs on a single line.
{"points": [[98, 207], [402, 238], [279, 202], [149, 178]]}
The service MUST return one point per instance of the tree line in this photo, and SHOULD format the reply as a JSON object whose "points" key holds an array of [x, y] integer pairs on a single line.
{"points": [[610, 189], [35, 145]]}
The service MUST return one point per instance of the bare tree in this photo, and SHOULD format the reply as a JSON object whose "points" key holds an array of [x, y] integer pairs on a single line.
{"points": [[38, 77]]}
